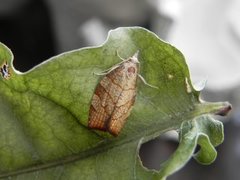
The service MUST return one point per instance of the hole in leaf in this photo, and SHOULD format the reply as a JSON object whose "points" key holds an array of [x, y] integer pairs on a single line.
{"points": [[197, 149], [155, 152]]}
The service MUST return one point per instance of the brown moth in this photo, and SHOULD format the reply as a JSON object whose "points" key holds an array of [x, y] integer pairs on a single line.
{"points": [[114, 96]]}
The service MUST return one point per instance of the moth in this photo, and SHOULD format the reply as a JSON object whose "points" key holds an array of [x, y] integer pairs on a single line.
{"points": [[114, 96], [5, 71]]}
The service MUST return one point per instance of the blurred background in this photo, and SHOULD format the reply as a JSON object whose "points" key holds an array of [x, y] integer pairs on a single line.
{"points": [[207, 32]]}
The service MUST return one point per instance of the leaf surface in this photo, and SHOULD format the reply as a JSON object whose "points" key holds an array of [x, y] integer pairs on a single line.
{"points": [[44, 113]]}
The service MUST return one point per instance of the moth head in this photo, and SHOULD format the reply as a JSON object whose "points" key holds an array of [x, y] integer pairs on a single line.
{"points": [[134, 58], [132, 66]]}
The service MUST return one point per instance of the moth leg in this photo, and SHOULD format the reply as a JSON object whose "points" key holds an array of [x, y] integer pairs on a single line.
{"points": [[100, 74], [113, 67], [144, 81], [108, 70]]}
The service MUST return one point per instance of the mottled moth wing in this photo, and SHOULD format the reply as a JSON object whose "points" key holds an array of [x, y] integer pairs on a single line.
{"points": [[114, 97], [122, 110]]}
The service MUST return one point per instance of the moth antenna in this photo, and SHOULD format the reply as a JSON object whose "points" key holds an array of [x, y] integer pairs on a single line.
{"points": [[113, 67], [117, 65], [120, 56], [135, 56], [144, 81]]}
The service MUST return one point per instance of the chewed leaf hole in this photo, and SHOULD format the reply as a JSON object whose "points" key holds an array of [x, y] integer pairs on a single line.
{"points": [[155, 152], [197, 149]]}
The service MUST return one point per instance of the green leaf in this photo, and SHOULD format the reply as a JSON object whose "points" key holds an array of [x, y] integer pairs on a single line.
{"points": [[202, 130], [44, 113]]}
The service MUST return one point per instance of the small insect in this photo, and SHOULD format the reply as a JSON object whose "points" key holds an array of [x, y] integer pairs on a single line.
{"points": [[114, 96], [4, 70]]}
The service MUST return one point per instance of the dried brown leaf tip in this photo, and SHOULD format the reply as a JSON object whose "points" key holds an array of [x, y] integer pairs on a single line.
{"points": [[5, 71], [225, 110], [114, 97]]}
